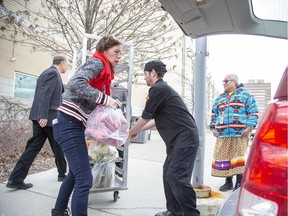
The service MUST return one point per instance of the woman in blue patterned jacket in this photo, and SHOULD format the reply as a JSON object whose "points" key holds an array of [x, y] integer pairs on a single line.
{"points": [[234, 115], [87, 88]]}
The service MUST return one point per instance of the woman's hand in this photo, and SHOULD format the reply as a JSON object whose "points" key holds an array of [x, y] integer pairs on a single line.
{"points": [[114, 103], [247, 131]]}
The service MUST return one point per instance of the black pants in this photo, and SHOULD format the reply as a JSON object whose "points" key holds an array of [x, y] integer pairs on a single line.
{"points": [[177, 172], [33, 147]]}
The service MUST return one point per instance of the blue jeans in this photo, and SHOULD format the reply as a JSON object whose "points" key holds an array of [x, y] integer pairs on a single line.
{"points": [[71, 137]]}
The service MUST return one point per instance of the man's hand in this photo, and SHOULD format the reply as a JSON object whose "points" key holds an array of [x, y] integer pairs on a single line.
{"points": [[43, 122], [132, 136]]}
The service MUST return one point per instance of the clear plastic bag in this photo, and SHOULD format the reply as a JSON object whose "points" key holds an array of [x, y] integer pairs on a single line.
{"points": [[100, 152], [107, 125], [103, 157], [103, 175]]}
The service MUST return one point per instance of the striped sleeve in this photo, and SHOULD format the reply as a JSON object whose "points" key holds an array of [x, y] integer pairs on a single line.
{"points": [[103, 99]]}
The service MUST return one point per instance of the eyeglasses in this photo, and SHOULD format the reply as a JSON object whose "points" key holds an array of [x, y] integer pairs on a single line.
{"points": [[226, 81]]}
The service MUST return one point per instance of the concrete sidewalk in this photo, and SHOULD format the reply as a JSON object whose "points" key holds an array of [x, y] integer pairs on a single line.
{"points": [[144, 196]]}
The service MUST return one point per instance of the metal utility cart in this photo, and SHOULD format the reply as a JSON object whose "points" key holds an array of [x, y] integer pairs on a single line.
{"points": [[123, 77]]}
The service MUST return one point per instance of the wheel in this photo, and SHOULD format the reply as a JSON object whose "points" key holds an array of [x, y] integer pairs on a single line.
{"points": [[116, 196]]}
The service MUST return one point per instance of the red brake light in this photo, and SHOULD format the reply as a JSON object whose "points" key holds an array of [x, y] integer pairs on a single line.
{"points": [[266, 170], [274, 124]]}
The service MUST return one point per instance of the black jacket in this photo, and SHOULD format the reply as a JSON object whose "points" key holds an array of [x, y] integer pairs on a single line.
{"points": [[48, 96]]}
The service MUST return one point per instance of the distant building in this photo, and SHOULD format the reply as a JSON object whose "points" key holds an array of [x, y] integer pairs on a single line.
{"points": [[261, 92]]}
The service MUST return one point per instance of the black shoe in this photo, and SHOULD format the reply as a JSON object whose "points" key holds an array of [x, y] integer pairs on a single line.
{"points": [[165, 213], [61, 178], [18, 185], [227, 186], [55, 212], [237, 185]]}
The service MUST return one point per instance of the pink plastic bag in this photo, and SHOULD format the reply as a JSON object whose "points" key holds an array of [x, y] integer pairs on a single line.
{"points": [[107, 125]]}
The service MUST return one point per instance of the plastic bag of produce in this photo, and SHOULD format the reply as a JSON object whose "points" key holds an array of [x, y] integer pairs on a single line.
{"points": [[103, 157], [103, 174], [107, 125], [100, 152]]}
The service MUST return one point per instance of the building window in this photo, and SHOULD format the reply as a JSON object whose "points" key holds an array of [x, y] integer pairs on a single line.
{"points": [[24, 85]]}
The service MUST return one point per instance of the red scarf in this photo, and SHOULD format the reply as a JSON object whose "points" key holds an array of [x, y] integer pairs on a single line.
{"points": [[103, 81]]}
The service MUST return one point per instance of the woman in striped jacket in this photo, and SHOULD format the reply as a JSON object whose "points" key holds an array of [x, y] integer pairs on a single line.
{"points": [[88, 87]]}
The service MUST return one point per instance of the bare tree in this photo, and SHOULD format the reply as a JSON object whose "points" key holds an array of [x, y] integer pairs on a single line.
{"points": [[57, 26], [187, 76]]}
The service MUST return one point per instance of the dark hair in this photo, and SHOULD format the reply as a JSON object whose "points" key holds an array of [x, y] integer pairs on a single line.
{"points": [[58, 59], [106, 42], [158, 66], [160, 74]]}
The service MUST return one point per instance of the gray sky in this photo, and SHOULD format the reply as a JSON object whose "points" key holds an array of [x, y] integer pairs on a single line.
{"points": [[249, 57]]}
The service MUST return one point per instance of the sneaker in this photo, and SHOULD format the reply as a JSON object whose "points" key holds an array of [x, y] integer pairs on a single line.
{"points": [[165, 213]]}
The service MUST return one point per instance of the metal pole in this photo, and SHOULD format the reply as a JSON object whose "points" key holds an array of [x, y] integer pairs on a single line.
{"points": [[84, 49], [183, 66], [200, 91]]}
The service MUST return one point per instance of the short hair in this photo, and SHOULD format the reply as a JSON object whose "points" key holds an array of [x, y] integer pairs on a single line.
{"points": [[58, 59], [160, 74], [107, 42], [235, 78]]}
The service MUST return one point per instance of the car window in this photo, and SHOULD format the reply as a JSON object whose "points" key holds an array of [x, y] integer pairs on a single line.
{"points": [[201, 18], [270, 9]]}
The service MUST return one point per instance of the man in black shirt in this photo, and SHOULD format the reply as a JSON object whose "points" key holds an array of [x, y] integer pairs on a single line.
{"points": [[166, 110]]}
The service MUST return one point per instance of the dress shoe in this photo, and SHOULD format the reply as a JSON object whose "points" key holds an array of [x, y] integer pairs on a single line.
{"points": [[165, 213], [61, 178], [18, 185]]}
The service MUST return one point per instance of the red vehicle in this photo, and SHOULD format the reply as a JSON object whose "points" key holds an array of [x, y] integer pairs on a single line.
{"points": [[264, 183]]}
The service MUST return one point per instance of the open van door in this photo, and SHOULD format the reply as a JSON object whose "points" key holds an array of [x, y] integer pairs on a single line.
{"points": [[198, 18]]}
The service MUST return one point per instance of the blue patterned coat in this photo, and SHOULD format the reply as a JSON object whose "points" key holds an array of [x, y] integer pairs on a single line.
{"points": [[230, 116]]}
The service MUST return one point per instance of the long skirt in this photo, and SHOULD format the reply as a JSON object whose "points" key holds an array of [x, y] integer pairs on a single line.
{"points": [[229, 156]]}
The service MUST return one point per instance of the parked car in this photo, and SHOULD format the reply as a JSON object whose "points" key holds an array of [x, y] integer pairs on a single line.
{"points": [[264, 183], [229, 207]]}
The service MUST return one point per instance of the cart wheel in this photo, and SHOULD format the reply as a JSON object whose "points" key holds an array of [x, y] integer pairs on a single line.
{"points": [[116, 196]]}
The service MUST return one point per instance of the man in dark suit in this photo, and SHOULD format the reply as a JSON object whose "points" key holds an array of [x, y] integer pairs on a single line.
{"points": [[48, 97]]}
